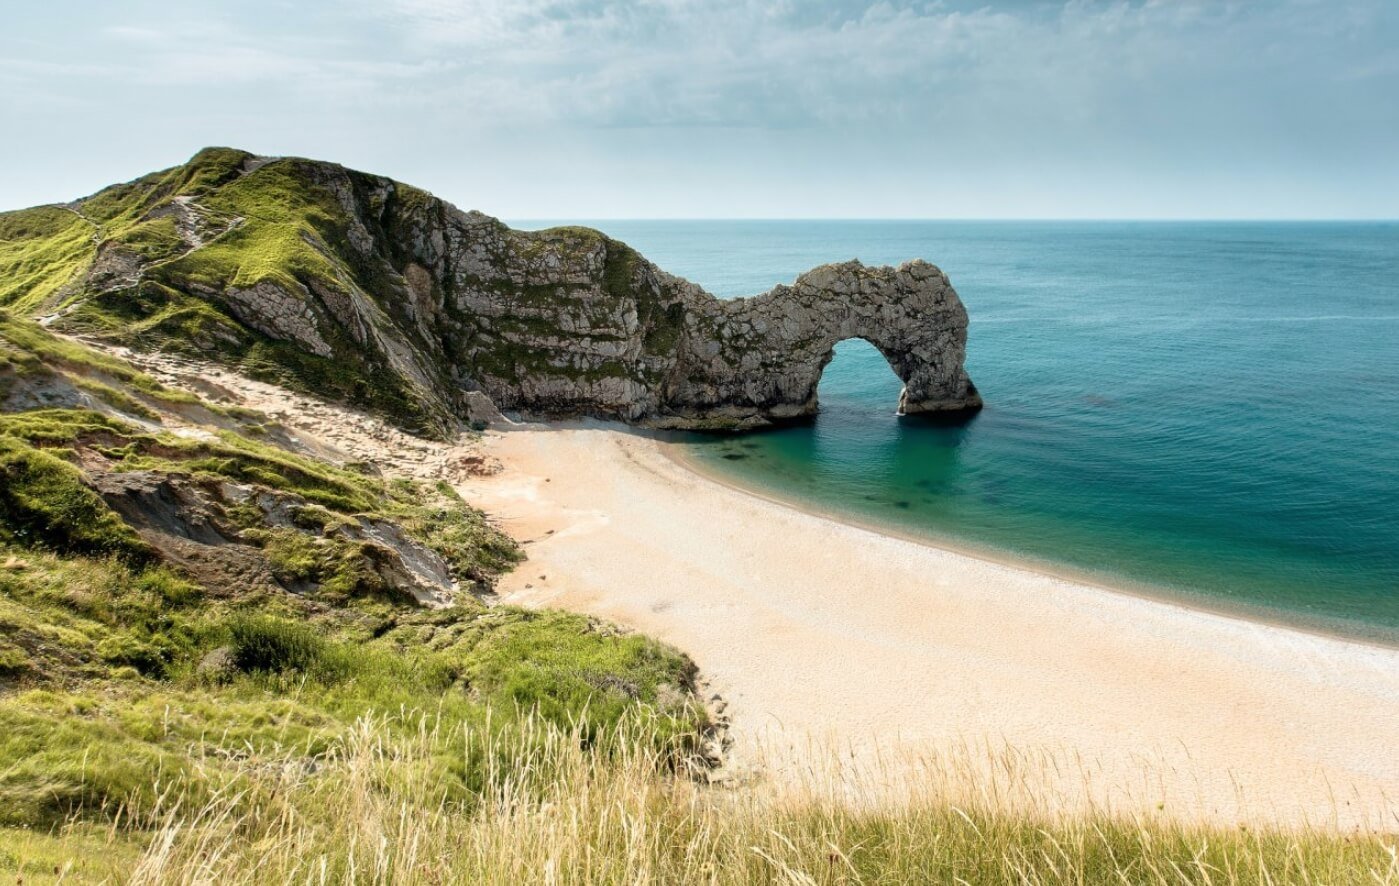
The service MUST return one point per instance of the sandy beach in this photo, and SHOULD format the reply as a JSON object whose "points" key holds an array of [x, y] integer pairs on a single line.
{"points": [[884, 667], [828, 642]]}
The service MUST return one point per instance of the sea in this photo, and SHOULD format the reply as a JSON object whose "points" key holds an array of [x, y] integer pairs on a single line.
{"points": [[1206, 412]]}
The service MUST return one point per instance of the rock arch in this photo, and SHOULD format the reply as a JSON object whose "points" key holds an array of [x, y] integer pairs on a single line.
{"points": [[755, 361], [567, 321]]}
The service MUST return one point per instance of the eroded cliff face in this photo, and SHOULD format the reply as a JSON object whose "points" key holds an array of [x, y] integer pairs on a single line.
{"points": [[361, 287], [568, 321]]}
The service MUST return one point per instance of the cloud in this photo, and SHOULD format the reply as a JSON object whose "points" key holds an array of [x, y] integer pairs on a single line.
{"points": [[996, 70], [972, 93], [734, 63]]}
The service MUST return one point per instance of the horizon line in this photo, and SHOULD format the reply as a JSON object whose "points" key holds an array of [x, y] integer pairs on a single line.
{"points": [[914, 218]]}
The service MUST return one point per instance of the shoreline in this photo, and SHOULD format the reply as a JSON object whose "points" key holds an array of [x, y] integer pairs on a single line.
{"points": [[1197, 601], [876, 664]]}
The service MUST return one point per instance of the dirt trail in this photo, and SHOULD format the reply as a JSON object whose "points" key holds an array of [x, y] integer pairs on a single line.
{"points": [[337, 433]]}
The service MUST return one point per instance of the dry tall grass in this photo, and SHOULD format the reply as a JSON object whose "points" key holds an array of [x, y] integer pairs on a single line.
{"points": [[551, 811]]}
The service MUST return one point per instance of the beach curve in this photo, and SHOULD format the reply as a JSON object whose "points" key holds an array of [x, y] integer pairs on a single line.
{"points": [[833, 642]]}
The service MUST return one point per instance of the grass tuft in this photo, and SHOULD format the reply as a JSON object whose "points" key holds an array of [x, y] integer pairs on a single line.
{"points": [[275, 646], [44, 502]]}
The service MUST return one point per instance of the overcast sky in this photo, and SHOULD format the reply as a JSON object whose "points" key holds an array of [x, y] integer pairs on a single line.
{"points": [[731, 108]]}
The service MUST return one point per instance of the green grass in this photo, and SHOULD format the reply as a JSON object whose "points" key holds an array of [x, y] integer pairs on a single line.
{"points": [[280, 247], [70, 618], [79, 853], [42, 250], [558, 664], [109, 742], [207, 170], [115, 398], [30, 348], [154, 240], [121, 676], [111, 690], [551, 805], [278, 224], [449, 526], [45, 250], [291, 226], [231, 456], [434, 515], [44, 502], [104, 649]]}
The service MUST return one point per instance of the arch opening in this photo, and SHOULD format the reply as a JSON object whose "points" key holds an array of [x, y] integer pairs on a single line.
{"points": [[858, 379]]}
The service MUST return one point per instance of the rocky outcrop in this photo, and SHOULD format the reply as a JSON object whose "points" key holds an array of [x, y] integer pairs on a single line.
{"points": [[755, 361], [277, 313], [407, 301], [188, 524]]}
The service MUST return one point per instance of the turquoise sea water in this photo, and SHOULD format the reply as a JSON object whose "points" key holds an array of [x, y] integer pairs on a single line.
{"points": [[1210, 410]]}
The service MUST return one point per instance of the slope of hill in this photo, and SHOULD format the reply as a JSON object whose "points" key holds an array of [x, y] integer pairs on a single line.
{"points": [[375, 293], [207, 258], [178, 576]]}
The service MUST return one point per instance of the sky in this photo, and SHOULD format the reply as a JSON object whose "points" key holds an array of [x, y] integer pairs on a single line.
{"points": [[595, 109]]}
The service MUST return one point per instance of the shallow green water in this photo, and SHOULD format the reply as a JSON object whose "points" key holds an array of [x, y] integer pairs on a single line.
{"points": [[1208, 409]]}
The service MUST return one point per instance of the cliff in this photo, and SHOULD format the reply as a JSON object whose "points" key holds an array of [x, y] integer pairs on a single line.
{"points": [[376, 293]]}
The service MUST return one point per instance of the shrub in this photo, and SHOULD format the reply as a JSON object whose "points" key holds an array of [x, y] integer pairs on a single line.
{"points": [[275, 645]]}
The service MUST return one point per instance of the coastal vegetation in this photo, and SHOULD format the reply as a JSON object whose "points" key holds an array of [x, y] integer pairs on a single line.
{"points": [[228, 656], [159, 725], [556, 803], [136, 660]]}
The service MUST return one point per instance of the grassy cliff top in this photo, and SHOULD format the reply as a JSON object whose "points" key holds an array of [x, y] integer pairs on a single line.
{"points": [[313, 276], [130, 655], [139, 263]]}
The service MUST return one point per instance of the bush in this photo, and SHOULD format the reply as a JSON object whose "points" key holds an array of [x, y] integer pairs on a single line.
{"points": [[274, 645]]}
